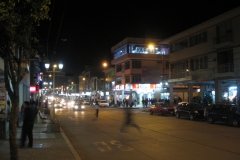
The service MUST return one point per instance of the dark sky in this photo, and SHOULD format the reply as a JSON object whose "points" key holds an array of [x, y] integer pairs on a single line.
{"points": [[93, 27]]}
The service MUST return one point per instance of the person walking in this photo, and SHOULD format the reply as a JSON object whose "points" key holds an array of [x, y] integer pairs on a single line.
{"points": [[96, 108], [33, 105], [27, 127], [129, 121]]}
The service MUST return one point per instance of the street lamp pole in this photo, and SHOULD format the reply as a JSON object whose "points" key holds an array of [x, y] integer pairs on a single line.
{"points": [[104, 82], [60, 66]]}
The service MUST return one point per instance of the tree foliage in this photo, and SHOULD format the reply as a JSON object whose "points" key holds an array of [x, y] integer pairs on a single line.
{"points": [[18, 22]]}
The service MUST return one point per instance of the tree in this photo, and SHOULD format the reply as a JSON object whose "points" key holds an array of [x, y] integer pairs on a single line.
{"points": [[18, 21]]}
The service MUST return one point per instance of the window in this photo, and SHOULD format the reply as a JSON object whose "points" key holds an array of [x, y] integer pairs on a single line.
{"points": [[225, 61], [167, 65], [199, 63], [119, 68], [179, 45], [127, 79], [193, 40], [198, 39], [127, 65], [136, 79], [224, 33], [180, 66], [119, 80], [137, 64], [202, 37]]}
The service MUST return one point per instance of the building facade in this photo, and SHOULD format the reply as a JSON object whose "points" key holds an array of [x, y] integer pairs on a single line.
{"points": [[207, 55], [141, 69]]}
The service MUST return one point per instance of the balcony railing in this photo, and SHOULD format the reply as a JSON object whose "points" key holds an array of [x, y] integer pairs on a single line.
{"points": [[223, 39], [203, 74], [225, 68]]}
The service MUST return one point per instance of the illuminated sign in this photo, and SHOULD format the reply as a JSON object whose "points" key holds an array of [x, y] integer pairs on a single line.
{"points": [[32, 88]]}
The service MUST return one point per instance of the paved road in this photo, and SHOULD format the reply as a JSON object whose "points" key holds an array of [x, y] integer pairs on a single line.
{"points": [[162, 137]]}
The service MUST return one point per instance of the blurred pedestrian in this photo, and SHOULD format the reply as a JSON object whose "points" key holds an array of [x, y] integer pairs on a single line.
{"points": [[27, 127], [129, 121], [33, 105], [96, 108]]}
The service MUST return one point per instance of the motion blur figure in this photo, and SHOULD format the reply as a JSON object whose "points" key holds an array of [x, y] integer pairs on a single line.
{"points": [[129, 121]]}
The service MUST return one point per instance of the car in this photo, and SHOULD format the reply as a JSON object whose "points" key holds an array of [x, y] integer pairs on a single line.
{"points": [[161, 109], [78, 106], [223, 113], [103, 103], [179, 104], [85, 101], [190, 110], [63, 101], [58, 105]]}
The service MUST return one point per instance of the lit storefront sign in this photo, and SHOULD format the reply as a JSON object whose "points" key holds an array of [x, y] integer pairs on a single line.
{"points": [[33, 89], [137, 86]]}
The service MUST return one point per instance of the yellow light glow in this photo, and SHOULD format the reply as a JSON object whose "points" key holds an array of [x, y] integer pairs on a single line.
{"points": [[104, 64], [55, 66], [151, 47]]}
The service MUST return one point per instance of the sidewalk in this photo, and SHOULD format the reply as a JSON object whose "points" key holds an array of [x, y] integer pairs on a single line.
{"points": [[45, 145]]}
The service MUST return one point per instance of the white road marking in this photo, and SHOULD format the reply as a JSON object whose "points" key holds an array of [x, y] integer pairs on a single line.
{"points": [[75, 154]]}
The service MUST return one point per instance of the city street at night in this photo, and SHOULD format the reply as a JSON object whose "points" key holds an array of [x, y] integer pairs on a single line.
{"points": [[161, 137]]}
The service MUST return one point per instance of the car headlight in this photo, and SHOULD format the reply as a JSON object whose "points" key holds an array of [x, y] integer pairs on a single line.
{"points": [[82, 107], [76, 107]]}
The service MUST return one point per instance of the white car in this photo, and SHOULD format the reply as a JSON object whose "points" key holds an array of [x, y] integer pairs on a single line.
{"points": [[103, 103], [86, 102]]}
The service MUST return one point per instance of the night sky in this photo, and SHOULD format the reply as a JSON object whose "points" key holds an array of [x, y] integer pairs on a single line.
{"points": [[83, 32]]}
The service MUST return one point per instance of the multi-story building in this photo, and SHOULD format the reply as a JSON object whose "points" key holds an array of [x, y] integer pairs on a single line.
{"points": [[141, 69], [109, 83], [91, 82], [207, 55]]}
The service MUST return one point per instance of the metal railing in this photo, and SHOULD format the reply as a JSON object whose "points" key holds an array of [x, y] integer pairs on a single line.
{"points": [[203, 74], [222, 39]]}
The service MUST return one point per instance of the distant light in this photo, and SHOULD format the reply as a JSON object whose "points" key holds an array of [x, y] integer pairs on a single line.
{"points": [[47, 65], [60, 66]]}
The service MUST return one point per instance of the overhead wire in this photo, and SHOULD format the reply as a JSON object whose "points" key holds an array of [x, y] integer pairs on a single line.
{"points": [[50, 27], [54, 51]]}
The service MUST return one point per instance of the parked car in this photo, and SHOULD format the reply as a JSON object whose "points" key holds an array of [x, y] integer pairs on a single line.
{"points": [[78, 106], [179, 104], [223, 113], [161, 109], [103, 103], [190, 110]]}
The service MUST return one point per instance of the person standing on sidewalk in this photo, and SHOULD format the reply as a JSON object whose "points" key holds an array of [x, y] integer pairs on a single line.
{"points": [[96, 107], [27, 127]]}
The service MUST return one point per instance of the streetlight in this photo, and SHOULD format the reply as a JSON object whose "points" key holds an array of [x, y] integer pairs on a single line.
{"points": [[60, 66], [104, 82]]}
